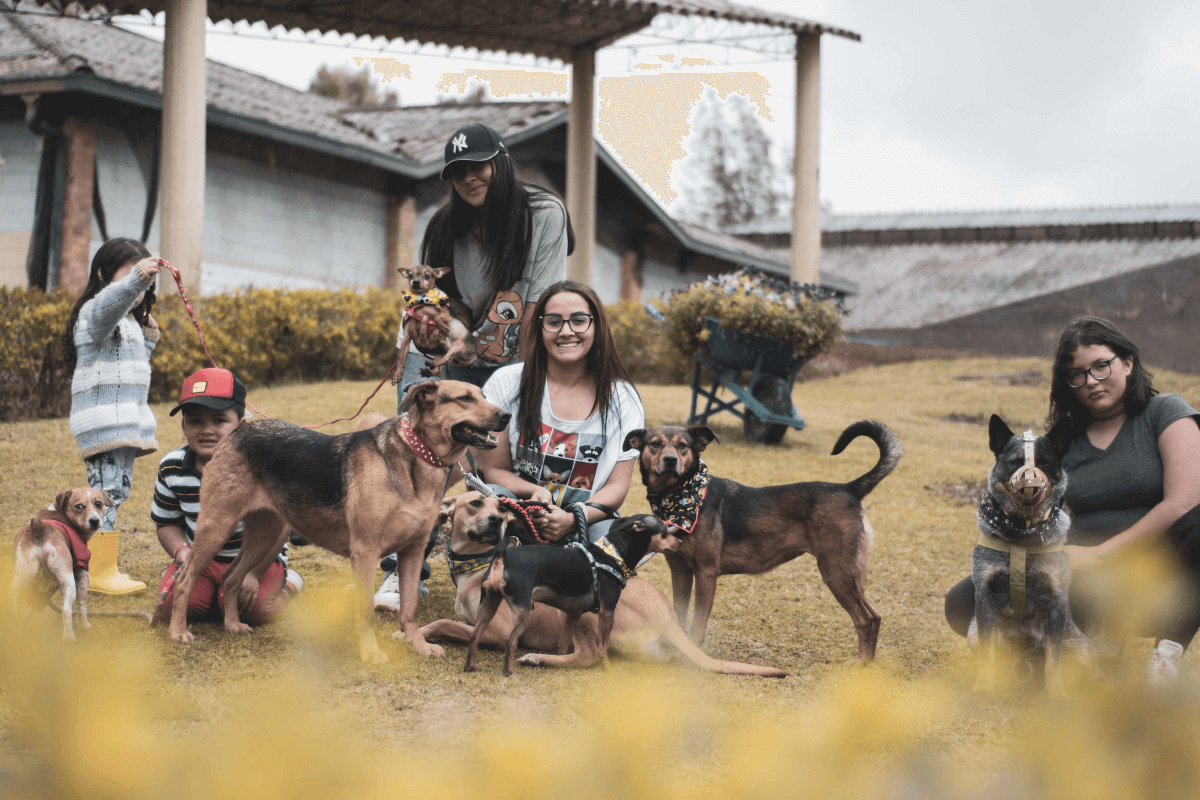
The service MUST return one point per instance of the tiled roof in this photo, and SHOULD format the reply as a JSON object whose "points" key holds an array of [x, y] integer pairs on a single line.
{"points": [[913, 285], [419, 132], [953, 220]]}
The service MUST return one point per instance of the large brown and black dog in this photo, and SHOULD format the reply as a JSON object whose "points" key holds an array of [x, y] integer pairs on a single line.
{"points": [[362, 495], [643, 620], [738, 529]]}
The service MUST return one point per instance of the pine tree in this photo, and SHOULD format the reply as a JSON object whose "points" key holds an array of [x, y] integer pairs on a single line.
{"points": [[356, 87]]}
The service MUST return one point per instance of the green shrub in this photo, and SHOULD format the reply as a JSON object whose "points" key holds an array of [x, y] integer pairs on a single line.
{"points": [[642, 342], [33, 380], [746, 301]]}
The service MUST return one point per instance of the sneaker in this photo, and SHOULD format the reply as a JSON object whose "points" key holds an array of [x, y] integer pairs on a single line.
{"points": [[1162, 666], [388, 596], [293, 583]]}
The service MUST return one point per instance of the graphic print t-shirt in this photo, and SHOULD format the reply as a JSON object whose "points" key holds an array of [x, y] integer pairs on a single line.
{"points": [[571, 458]]}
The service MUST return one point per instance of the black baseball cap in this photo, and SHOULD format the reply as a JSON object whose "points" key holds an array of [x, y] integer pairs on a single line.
{"points": [[213, 388], [475, 142]]}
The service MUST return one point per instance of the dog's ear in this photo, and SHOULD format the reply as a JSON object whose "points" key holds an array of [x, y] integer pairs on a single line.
{"points": [[421, 394], [446, 512], [999, 435], [405, 272], [62, 500], [440, 272], [108, 502], [636, 440], [702, 435], [1060, 437]]}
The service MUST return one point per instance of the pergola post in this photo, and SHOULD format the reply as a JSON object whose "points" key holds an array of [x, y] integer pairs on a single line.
{"points": [[806, 207], [183, 138], [581, 163]]}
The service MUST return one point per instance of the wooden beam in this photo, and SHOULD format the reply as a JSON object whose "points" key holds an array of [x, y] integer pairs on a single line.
{"points": [[80, 136], [183, 138], [581, 163], [806, 208], [401, 238]]}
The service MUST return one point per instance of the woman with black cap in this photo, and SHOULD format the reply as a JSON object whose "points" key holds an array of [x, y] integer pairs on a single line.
{"points": [[506, 241]]}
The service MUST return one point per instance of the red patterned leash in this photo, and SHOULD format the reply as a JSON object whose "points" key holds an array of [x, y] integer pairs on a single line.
{"points": [[162, 262]]}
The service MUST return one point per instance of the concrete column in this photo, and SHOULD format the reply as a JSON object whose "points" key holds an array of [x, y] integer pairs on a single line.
{"points": [[581, 163], [401, 238], [631, 284], [806, 208], [183, 138], [80, 136]]}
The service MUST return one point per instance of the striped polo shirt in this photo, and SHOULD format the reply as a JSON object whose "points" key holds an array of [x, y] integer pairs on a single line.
{"points": [[177, 501]]}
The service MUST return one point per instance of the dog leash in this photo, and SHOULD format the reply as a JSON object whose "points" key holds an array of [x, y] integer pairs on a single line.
{"points": [[1016, 566], [517, 506], [187, 304]]}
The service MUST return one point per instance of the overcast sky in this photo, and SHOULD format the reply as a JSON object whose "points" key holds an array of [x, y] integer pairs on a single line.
{"points": [[968, 105]]}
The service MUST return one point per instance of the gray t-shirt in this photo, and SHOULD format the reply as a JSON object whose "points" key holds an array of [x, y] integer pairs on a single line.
{"points": [[1109, 490], [497, 319]]}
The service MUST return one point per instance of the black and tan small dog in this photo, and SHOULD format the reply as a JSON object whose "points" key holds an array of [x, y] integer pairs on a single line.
{"points": [[734, 529], [575, 579], [1019, 569], [54, 546], [430, 313]]}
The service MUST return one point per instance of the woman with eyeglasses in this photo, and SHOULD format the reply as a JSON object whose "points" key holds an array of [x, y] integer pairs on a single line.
{"points": [[572, 405], [1132, 460]]}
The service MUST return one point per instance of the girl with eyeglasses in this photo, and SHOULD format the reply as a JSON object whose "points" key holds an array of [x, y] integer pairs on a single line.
{"points": [[572, 405], [1132, 460]]}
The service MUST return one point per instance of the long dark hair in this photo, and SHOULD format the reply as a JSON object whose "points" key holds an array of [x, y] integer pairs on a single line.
{"points": [[112, 255], [603, 362], [1068, 418], [507, 227]]}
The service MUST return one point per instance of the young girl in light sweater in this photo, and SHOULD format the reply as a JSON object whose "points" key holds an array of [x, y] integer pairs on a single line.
{"points": [[110, 335]]}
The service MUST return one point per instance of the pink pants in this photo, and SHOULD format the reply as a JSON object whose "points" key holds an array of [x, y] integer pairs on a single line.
{"points": [[206, 603]]}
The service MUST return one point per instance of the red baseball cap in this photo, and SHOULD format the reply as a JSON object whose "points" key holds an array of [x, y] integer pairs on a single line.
{"points": [[213, 388]]}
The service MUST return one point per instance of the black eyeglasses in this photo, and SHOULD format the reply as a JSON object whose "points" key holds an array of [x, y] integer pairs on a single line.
{"points": [[578, 322], [1077, 378]]}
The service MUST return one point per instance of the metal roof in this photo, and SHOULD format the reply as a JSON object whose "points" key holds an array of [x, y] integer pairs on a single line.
{"points": [[953, 220], [914, 285], [550, 28]]}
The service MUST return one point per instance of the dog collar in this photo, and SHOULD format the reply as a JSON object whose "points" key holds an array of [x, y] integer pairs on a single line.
{"points": [[465, 565], [434, 297], [1004, 522], [608, 547], [418, 445], [681, 507], [1016, 566], [80, 553]]}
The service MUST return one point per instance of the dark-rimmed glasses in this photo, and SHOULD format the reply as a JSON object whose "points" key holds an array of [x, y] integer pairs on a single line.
{"points": [[1077, 378], [577, 322]]}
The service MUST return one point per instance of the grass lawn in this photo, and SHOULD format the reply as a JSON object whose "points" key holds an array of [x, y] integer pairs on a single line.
{"points": [[289, 709]]}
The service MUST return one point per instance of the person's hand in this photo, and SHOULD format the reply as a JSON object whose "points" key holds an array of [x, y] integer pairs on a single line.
{"points": [[553, 523], [1083, 558], [542, 495], [182, 556], [148, 266], [151, 323], [248, 593]]}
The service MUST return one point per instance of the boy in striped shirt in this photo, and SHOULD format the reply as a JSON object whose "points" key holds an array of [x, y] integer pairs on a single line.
{"points": [[213, 402]]}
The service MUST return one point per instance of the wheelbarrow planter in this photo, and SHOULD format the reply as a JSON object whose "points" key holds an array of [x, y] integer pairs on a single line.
{"points": [[767, 396]]}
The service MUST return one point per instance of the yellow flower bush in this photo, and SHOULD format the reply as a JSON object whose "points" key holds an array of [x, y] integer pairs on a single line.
{"points": [[747, 301]]}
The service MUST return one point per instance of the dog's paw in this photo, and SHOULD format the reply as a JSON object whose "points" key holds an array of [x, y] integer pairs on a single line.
{"points": [[84, 622], [856, 663], [470, 668], [984, 685], [238, 627], [531, 660], [183, 637], [431, 650], [369, 655], [68, 636]]}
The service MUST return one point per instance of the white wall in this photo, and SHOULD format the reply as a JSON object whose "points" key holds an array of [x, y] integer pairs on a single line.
{"points": [[21, 150]]}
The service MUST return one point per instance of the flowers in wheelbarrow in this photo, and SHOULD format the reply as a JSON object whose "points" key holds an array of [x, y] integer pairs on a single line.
{"points": [[807, 317]]}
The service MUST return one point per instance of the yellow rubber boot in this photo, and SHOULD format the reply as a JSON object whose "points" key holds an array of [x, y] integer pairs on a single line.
{"points": [[103, 575]]}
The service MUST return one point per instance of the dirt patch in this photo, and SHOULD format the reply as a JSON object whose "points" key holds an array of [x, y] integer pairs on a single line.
{"points": [[961, 492], [970, 419]]}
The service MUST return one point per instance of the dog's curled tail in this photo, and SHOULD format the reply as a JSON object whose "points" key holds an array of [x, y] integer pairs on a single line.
{"points": [[890, 450], [698, 657]]}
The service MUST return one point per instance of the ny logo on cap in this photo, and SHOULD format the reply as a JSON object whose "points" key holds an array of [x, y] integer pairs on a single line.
{"points": [[459, 142], [199, 386]]}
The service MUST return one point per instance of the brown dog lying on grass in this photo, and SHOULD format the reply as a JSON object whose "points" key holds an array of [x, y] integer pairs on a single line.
{"points": [[53, 547], [731, 529], [363, 495], [642, 624]]}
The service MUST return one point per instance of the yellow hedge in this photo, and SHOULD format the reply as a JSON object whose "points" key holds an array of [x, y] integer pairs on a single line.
{"points": [[266, 336]]}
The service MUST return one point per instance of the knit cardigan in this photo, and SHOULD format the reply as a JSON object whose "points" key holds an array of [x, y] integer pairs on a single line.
{"points": [[111, 384]]}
